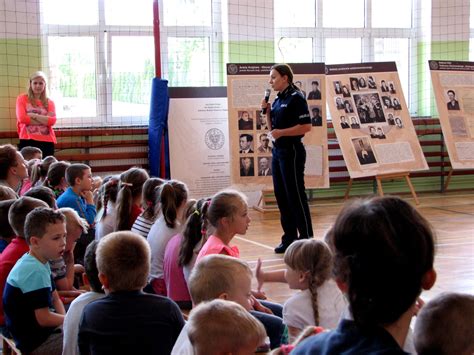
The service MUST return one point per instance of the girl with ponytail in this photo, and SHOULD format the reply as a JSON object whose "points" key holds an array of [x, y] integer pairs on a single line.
{"points": [[172, 198], [129, 198]]}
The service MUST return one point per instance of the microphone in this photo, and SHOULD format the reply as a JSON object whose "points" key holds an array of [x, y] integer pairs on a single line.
{"points": [[267, 97]]}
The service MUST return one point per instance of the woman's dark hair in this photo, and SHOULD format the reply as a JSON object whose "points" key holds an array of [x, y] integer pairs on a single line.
{"points": [[193, 231], [382, 249], [285, 69]]}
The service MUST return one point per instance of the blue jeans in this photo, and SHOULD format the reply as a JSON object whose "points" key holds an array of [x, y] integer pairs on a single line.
{"points": [[273, 323]]}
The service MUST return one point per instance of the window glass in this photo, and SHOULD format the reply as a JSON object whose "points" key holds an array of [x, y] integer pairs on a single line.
{"points": [[343, 13], [58, 12], [132, 75], [72, 82], [343, 50], [299, 13], [129, 13], [397, 50], [294, 50], [396, 14], [188, 61], [187, 12]]}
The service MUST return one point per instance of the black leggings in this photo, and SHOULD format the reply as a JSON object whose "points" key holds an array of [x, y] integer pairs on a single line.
{"points": [[46, 147]]}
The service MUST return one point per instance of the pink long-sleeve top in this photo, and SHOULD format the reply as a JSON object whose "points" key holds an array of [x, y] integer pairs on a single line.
{"points": [[26, 130]]}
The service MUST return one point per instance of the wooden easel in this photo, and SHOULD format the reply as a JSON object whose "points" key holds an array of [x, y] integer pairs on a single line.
{"points": [[266, 204], [379, 178]]}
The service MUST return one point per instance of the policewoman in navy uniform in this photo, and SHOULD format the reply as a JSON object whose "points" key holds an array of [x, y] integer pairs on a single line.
{"points": [[289, 120]]}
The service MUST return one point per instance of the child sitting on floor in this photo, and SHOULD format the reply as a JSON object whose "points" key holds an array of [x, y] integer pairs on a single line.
{"points": [[211, 333], [29, 295]]}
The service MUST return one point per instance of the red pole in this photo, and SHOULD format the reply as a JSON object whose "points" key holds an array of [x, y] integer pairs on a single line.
{"points": [[156, 35]]}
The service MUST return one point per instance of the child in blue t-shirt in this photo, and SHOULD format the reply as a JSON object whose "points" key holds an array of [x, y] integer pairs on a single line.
{"points": [[30, 296]]}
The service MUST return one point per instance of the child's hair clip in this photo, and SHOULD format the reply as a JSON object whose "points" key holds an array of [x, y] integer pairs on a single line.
{"points": [[286, 349], [318, 330], [196, 212], [127, 184]]}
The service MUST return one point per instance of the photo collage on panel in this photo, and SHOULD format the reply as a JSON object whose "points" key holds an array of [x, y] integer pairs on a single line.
{"points": [[255, 148]]}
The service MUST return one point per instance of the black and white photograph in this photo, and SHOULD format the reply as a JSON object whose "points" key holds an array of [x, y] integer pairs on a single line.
{"points": [[387, 102], [396, 104], [362, 83], [354, 123], [265, 166], [453, 103], [344, 122], [262, 123], [264, 144], [390, 119], [345, 91], [315, 93], [348, 106], [391, 86], [380, 133], [316, 118], [337, 87], [398, 122], [245, 120], [369, 108], [301, 87], [371, 82], [384, 87], [339, 103], [247, 166], [246, 143], [373, 132], [364, 151], [354, 83]]}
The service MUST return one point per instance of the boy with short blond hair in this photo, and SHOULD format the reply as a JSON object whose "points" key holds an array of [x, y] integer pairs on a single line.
{"points": [[224, 327], [445, 325], [18, 246], [149, 324], [29, 292], [216, 276]]}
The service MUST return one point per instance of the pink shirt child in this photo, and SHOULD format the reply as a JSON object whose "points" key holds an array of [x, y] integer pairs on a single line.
{"points": [[176, 287], [214, 245]]}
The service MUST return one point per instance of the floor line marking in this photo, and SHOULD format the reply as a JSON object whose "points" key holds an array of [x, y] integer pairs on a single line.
{"points": [[255, 243]]}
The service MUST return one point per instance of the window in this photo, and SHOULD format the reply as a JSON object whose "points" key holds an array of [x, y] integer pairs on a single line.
{"points": [[471, 39], [349, 31], [100, 55]]}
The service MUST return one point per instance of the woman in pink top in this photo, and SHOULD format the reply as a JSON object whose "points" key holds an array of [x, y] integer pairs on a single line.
{"points": [[36, 116], [228, 214]]}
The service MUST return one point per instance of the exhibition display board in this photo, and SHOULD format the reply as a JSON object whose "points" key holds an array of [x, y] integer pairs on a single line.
{"points": [[199, 142], [453, 86], [250, 146], [371, 120]]}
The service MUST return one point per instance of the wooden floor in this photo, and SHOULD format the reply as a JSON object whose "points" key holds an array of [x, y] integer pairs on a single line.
{"points": [[451, 214]]}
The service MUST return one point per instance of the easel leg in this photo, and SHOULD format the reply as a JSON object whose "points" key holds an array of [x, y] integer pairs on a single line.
{"points": [[412, 189], [379, 186], [348, 189], [448, 180]]}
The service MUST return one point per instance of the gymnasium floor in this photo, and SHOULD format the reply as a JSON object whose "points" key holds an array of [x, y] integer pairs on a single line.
{"points": [[451, 214]]}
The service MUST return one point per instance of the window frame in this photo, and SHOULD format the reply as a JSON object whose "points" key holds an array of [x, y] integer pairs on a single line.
{"points": [[367, 34]]}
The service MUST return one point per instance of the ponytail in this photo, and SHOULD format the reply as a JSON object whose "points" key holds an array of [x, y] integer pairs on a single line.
{"points": [[172, 195]]}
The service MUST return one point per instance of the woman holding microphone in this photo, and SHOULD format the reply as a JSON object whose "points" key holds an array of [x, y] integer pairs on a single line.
{"points": [[288, 118]]}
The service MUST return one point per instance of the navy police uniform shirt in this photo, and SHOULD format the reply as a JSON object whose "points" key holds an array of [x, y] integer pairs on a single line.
{"points": [[288, 110]]}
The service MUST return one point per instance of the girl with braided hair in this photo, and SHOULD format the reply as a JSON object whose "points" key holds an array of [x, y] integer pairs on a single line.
{"points": [[308, 268], [106, 217]]}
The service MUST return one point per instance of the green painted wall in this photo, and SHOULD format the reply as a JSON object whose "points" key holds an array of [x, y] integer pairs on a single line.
{"points": [[18, 59], [251, 51]]}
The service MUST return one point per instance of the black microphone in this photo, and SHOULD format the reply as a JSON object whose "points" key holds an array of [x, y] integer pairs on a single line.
{"points": [[267, 97]]}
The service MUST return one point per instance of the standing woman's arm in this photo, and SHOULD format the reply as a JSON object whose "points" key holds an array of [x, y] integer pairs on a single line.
{"points": [[46, 120]]}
